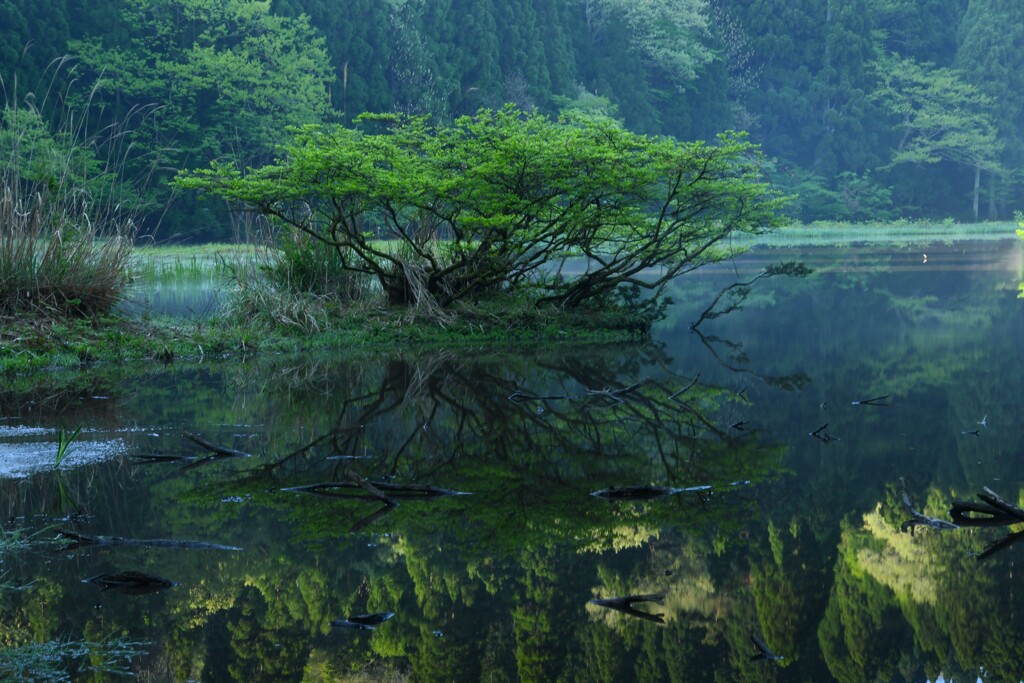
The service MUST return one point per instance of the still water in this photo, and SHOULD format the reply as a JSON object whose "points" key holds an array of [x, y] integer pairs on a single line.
{"points": [[431, 515]]}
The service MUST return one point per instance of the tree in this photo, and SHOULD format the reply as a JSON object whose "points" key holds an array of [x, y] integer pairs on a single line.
{"points": [[496, 202], [990, 58], [228, 75], [670, 34], [941, 116]]}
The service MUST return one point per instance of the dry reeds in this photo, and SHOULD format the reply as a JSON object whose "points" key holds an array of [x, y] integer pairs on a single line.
{"points": [[68, 211]]}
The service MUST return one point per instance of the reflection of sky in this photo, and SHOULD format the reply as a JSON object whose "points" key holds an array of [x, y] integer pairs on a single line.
{"points": [[26, 450]]}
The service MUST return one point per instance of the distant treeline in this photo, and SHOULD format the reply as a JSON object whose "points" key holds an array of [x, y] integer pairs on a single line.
{"points": [[869, 109]]}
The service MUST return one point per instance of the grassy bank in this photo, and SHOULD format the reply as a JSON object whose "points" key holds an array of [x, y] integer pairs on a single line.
{"points": [[30, 342]]}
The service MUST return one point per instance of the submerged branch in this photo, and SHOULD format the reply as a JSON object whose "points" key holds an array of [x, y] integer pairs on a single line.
{"points": [[79, 540], [218, 450]]}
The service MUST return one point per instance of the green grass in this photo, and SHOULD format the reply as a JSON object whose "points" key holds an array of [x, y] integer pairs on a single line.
{"points": [[175, 262]]}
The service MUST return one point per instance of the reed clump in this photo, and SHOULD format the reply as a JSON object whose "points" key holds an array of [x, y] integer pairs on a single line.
{"points": [[68, 211]]}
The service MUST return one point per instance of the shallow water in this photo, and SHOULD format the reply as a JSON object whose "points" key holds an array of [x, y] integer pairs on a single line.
{"points": [[786, 530]]}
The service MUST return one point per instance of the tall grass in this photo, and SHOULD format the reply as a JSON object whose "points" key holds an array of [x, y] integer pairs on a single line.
{"points": [[68, 208]]}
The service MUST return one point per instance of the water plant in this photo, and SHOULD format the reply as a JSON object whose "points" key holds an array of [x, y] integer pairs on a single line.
{"points": [[64, 440]]}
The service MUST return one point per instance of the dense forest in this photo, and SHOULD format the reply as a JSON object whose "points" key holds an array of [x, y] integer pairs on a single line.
{"points": [[867, 109]]}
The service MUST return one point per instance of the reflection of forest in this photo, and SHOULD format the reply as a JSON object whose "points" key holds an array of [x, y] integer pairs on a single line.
{"points": [[495, 586]]}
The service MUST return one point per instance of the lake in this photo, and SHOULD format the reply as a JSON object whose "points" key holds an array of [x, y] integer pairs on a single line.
{"points": [[717, 505]]}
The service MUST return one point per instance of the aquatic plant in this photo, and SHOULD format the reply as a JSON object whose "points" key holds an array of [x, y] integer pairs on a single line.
{"points": [[68, 208], [63, 443]]}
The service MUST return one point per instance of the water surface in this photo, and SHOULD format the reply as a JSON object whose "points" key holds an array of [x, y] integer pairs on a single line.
{"points": [[779, 524]]}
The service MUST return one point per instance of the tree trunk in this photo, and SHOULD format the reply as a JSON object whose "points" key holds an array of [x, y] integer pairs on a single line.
{"points": [[992, 213], [977, 185]]}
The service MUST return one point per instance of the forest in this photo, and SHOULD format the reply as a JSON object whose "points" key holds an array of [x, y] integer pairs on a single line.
{"points": [[866, 110]]}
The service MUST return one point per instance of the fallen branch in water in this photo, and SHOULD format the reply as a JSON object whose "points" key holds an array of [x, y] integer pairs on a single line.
{"points": [[219, 450], [920, 519], [613, 395], [872, 401], [386, 489], [764, 653], [366, 485], [130, 582], [642, 492], [994, 511], [521, 397], [625, 604], [78, 540]]}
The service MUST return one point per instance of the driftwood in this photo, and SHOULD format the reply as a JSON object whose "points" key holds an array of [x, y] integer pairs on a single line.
{"points": [[625, 604], [920, 519], [642, 492], [764, 653], [522, 397], [381, 490], [992, 511], [80, 540], [364, 622], [613, 396], [876, 401], [221, 451], [130, 582], [821, 435]]}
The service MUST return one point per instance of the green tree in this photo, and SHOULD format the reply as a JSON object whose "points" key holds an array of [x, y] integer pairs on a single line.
{"points": [[670, 34], [228, 76], [941, 117], [487, 205], [990, 58]]}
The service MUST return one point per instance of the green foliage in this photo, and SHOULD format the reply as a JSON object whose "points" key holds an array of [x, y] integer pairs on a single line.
{"points": [[64, 440], [498, 202], [228, 76], [847, 198], [670, 34], [941, 116]]}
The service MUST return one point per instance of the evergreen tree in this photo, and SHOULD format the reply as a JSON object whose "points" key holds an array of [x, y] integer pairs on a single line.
{"points": [[991, 57]]}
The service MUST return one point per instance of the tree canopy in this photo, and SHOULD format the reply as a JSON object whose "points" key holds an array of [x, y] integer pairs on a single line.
{"points": [[499, 201]]}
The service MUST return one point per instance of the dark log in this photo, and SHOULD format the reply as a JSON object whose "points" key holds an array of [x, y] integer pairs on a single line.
{"points": [[368, 486], [214, 448], [625, 604], [993, 499], [764, 653], [964, 513], [389, 489], [130, 582], [373, 619], [642, 492]]}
